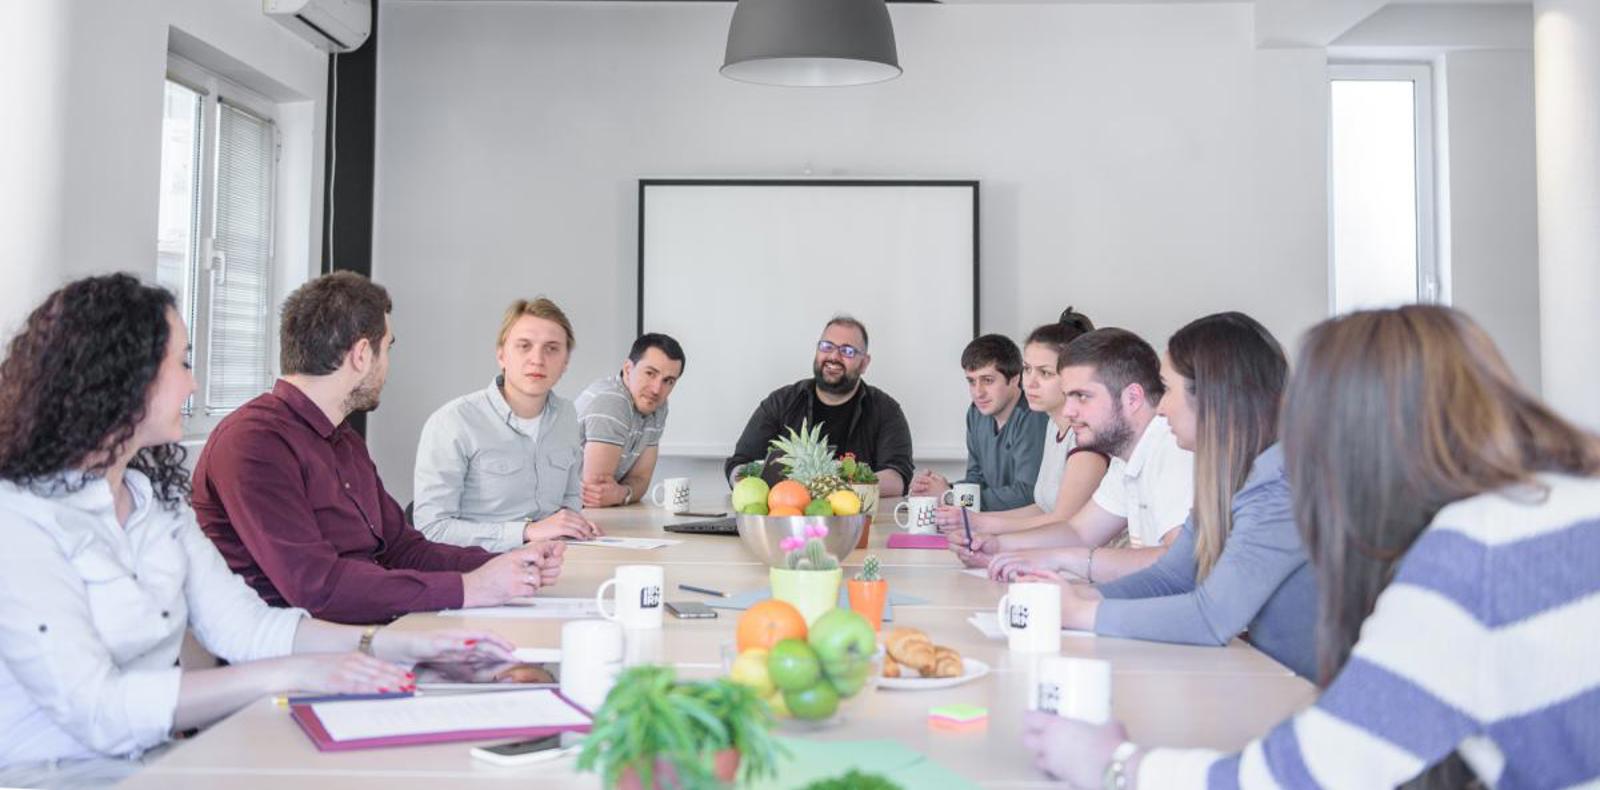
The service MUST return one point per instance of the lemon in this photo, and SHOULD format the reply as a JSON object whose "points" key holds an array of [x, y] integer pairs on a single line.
{"points": [[845, 503]]}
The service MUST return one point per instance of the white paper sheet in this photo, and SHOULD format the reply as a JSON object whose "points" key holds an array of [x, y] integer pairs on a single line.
{"points": [[534, 609], [610, 542], [361, 719]]}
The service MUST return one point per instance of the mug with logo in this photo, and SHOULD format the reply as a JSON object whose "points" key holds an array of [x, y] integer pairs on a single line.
{"points": [[1074, 688], [1030, 616], [919, 515], [672, 494], [638, 596], [965, 495]]}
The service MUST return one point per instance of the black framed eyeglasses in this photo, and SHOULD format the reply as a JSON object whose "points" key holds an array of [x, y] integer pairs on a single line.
{"points": [[828, 347]]}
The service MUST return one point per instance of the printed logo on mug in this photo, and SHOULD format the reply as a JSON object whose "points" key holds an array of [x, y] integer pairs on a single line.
{"points": [[963, 494], [1030, 615], [638, 596], [1074, 688], [672, 494], [918, 511]]}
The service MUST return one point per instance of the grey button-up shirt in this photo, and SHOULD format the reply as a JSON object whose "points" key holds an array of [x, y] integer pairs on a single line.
{"points": [[479, 478]]}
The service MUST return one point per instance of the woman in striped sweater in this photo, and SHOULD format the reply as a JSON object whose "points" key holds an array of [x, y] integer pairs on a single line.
{"points": [[1454, 523]]}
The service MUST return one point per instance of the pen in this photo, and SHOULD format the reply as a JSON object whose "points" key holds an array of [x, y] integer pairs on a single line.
{"points": [[692, 588], [967, 525]]}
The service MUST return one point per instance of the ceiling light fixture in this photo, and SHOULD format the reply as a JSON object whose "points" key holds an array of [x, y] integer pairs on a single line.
{"points": [[811, 43]]}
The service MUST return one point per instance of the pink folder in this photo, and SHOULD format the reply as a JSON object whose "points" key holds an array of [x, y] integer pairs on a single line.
{"points": [[906, 540], [306, 717]]}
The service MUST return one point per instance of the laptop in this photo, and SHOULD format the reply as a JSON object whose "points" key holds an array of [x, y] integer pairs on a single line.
{"points": [[714, 526]]}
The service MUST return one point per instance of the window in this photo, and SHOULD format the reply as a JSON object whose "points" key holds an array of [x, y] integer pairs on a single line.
{"points": [[1380, 177], [214, 245]]}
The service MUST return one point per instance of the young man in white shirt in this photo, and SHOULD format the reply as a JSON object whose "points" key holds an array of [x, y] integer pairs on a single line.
{"points": [[1112, 380]]}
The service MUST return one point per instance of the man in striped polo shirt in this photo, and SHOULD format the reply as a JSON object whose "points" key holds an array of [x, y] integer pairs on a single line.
{"points": [[620, 420]]}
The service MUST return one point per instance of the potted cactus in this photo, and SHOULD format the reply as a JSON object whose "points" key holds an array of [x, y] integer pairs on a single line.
{"points": [[809, 578], [869, 593]]}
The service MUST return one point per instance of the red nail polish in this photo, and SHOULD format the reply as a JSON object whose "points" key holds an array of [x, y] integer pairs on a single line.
{"points": [[411, 676], [383, 689], [471, 642]]}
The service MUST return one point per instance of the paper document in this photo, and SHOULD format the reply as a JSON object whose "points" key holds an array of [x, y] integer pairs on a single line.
{"points": [[643, 544], [534, 609], [389, 718]]}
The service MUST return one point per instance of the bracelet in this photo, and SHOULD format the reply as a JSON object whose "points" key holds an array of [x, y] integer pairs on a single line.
{"points": [[1088, 571], [627, 495], [365, 646], [1116, 777]]}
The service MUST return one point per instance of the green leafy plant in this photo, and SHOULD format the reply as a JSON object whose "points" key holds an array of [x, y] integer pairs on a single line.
{"points": [[869, 570], [854, 472], [854, 780], [651, 720]]}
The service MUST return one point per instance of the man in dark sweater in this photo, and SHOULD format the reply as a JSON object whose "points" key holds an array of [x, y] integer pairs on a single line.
{"points": [[855, 417]]}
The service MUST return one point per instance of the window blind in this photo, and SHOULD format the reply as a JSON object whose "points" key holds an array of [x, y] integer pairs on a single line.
{"points": [[241, 260]]}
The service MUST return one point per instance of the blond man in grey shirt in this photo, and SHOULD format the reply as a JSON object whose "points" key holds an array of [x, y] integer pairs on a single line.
{"points": [[503, 466]]}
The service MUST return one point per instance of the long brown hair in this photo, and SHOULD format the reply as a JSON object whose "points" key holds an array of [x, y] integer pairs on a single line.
{"points": [[1236, 373]]}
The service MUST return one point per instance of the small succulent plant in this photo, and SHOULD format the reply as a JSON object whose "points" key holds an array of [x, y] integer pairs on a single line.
{"points": [[753, 469], [808, 553], [869, 570]]}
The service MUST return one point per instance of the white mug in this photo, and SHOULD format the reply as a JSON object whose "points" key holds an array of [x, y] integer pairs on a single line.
{"points": [[1030, 616], [919, 512], [1074, 688], [591, 657], [638, 596], [672, 494], [964, 494]]}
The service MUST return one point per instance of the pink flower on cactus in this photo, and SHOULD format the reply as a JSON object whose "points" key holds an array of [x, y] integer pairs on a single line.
{"points": [[817, 531], [791, 543]]}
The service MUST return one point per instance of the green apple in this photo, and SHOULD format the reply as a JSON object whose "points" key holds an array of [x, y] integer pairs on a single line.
{"points": [[812, 704], [793, 665], [819, 507], [748, 492], [845, 642], [849, 682]]}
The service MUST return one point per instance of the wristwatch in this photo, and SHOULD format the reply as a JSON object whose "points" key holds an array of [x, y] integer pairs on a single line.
{"points": [[1116, 777], [627, 493], [365, 645]]}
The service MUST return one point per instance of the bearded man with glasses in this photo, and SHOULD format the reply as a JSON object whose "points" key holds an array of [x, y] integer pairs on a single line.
{"points": [[855, 417]]}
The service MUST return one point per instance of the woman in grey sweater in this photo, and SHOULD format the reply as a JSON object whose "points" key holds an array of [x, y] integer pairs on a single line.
{"points": [[1238, 563]]}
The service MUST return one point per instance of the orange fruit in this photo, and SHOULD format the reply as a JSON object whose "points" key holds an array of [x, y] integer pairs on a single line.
{"points": [[788, 494], [784, 511], [768, 623]]}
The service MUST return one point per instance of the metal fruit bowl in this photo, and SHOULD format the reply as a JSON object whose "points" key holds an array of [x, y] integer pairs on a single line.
{"points": [[762, 534]]}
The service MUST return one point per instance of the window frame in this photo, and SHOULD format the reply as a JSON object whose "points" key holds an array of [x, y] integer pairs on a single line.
{"points": [[216, 90], [1430, 279]]}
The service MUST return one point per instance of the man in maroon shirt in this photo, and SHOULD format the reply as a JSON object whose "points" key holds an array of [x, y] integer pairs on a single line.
{"points": [[286, 489]]}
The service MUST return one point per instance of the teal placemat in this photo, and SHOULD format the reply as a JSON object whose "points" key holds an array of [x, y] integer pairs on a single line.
{"points": [[810, 761], [745, 600]]}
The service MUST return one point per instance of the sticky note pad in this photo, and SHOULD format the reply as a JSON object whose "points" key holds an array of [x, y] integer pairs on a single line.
{"points": [[958, 717]]}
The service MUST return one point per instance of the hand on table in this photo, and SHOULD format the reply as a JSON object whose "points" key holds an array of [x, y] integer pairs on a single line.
{"points": [[1007, 566], [927, 482], [450, 645], [515, 574], [343, 673], [563, 523], [605, 493], [1073, 751], [979, 554]]}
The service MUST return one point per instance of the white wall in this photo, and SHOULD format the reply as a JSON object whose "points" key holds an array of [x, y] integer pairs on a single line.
{"points": [[1145, 163], [1486, 106], [80, 103]]}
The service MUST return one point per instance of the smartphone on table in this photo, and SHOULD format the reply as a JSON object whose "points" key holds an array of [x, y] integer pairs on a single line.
{"points": [[533, 750], [691, 610]]}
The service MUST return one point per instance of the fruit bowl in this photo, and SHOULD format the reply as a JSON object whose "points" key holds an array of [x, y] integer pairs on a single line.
{"points": [[841, 709], [762, 535]]}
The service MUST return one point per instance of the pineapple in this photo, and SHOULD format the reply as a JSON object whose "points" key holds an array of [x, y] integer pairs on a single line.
{"points": [[807, 460]]}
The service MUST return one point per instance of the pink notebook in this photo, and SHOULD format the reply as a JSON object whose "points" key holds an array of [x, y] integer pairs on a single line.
{"points": [[906, 540], [572, 718]]}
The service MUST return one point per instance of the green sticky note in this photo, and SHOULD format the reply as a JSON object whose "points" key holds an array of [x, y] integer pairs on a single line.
{"points": [[959, 713]]}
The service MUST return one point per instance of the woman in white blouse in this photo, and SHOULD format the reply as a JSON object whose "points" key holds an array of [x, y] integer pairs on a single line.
{"points": [[104, 566]]}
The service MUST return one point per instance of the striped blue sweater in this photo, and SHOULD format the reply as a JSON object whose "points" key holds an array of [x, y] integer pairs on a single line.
{"points": [[1486, 642]]}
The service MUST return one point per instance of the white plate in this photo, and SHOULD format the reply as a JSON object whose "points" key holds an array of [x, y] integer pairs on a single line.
{"points": [[974, 669]]}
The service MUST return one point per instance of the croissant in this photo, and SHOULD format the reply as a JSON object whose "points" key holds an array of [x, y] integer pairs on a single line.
{"points": [[911, 647], [947, 664], [891, 668]]}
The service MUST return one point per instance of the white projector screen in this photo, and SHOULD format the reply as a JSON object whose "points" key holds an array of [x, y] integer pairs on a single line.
{"points": [[745, 274]]}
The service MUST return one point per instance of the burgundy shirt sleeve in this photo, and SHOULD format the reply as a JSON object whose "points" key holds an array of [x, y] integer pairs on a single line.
{"points": [[260, 486], [409, 548]]}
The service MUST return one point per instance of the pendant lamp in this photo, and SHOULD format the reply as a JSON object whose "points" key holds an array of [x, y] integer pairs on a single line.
{"points": [[811, 43]]}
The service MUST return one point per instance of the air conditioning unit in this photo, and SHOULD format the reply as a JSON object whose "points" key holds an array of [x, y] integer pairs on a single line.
{"points": [[330, 25]]}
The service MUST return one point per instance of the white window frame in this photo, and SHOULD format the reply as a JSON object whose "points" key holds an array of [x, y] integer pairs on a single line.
{"points": [[215, 90], [1430, 288]]}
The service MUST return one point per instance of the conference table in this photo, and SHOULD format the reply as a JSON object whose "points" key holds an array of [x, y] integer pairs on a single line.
{"points": [[1166, 695]]}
